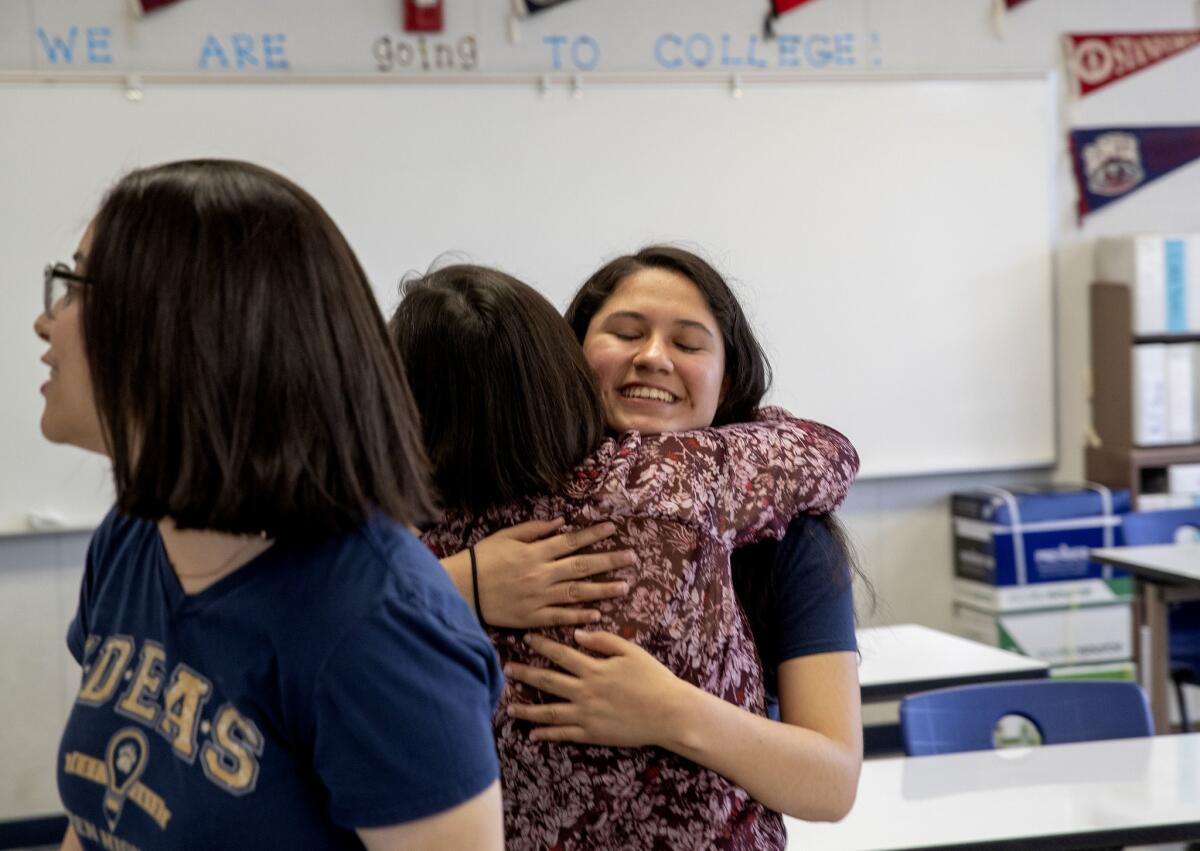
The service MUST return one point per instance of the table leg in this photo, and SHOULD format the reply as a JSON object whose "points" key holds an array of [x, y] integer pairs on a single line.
{"points": [[1150, 642]]}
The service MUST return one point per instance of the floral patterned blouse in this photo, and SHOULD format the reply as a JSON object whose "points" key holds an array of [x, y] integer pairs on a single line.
{"points": [[683, 501]]}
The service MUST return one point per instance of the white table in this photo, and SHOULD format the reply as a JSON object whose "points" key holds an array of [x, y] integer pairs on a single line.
{"points": [[1086, 795], [1164, 574], [908, 658]]}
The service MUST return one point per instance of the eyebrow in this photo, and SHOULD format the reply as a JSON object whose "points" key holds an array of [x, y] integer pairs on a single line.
{"points": [[633, 314]]}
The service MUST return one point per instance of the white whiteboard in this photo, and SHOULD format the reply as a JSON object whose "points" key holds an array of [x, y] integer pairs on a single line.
{"points": [[891, 239]]}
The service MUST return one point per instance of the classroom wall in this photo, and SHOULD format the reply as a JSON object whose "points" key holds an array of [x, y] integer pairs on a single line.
{"points": [[900, 526]]}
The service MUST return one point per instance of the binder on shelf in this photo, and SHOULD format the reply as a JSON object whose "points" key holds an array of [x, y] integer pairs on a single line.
{"points": [[1181, 393], [1184, 479], [1163, 271], [1132, 405], [1150, 394]]}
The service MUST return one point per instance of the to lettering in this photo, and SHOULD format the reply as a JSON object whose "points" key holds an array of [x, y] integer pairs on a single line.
{"points": [[583, 51]]}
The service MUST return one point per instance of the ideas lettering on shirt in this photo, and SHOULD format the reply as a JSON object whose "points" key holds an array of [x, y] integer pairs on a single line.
{"points": [[228, 747]]}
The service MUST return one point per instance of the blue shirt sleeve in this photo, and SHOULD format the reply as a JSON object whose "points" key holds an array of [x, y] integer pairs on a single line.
{"points": [[814, 592], [403, 714], [80, 628]]}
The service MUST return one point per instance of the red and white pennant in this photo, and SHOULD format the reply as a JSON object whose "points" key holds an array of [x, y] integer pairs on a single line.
{"points": [[1095, 60]]}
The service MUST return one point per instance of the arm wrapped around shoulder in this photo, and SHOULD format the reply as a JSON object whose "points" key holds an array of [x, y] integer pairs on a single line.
{"points": [[744, 481], [780, 466], [826, 443]]}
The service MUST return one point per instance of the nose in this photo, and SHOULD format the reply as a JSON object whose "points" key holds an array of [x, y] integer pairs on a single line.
{"points": [[653, 355], [41, 327]]}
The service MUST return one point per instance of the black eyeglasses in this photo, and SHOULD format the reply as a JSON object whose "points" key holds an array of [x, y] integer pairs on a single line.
{"points": [[59, 284]]}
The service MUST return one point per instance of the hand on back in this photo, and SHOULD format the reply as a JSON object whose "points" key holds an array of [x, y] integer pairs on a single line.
{"points": [[617, 695], [529, 577]]}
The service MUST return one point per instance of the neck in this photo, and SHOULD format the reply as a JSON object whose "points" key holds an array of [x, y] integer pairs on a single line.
{"points": [[201, 557]]}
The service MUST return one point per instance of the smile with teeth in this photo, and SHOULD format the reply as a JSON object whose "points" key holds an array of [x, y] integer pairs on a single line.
{"points": [[648, 393]]}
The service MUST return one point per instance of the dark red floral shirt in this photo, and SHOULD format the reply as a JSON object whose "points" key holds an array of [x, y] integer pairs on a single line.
{"points": [[683, 502]]}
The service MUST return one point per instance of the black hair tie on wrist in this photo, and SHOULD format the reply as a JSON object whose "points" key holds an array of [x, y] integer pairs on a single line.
{"points": [[475, 585]]}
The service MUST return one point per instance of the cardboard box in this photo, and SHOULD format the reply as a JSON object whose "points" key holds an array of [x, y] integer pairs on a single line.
{"points": [[1125, 671], [1033, 541], [1061, 595], [1167, 501], [1078, 635]]}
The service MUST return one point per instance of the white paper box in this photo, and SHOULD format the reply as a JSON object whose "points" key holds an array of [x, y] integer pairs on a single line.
{"points": [[1042, 595], [1167, 501], [1080, 635], [1105, 671]]}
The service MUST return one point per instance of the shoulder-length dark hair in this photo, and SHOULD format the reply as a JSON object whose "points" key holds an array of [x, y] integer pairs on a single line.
{"points": [[508, 403], [748, 373], [242, 371], [747, 370]]}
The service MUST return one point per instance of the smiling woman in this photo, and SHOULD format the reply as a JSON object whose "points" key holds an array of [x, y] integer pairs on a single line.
{"points": [[514, 428], [657, 353], [639, 319]]}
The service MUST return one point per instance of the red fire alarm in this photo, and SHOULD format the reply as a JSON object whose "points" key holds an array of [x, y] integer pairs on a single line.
{"points": [[423, 16]]}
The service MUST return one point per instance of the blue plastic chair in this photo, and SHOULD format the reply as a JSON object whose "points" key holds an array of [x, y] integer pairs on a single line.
{"points": [[964, 718], [1165, 527]]}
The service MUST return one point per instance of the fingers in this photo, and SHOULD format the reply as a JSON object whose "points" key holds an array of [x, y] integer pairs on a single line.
{"points": [[573, 733], [569, 542], [553, 714], [558, 616], [604, 643], [562, 720], [531, 530], [542, 679], [567, 658], [582, 566], [565, 593]]}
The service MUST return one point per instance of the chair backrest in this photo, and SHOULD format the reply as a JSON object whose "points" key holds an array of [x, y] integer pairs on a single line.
{"points": [[950, 720], [1161, 527]]}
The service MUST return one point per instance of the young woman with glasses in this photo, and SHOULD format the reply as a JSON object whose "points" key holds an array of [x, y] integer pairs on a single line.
{"points": [[270, 658]]}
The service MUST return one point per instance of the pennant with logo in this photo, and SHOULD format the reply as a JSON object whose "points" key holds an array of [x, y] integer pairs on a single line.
{"points": [[1112, 162], [523, 9], [999, 10], [778, 7], [1096, 59], [141, 7]]}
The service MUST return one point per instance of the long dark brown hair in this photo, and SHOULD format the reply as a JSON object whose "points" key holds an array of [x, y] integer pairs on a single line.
{"points": [[242, 371], [748, 373], [508, 403]]}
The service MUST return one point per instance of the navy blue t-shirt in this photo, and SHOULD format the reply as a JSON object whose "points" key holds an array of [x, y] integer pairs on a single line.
{"points": [[813, 593], [315, 690]]}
